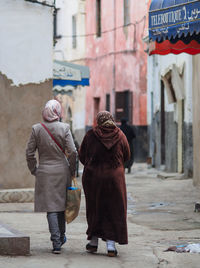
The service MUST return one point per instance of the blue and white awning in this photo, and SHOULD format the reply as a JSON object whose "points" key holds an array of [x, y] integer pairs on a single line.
{"points": [[170, 19], [66, 73]]}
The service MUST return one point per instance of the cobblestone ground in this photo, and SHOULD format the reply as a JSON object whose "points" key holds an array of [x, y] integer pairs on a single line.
{"points": [[160, 214]]}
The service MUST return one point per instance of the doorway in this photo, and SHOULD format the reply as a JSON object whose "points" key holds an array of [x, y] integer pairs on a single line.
{"points": [[124, 105], [96, 109], [162, 123]]}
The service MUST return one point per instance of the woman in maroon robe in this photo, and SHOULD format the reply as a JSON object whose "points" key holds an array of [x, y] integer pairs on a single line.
{"points": [[103, 152]]}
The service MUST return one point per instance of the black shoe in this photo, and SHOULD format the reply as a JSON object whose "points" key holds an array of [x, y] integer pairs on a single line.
{"points": [[112, 253], [90, 248], [56, 250]]}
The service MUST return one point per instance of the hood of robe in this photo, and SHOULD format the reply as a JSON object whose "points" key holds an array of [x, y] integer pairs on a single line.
{"points": [[108, 135]]}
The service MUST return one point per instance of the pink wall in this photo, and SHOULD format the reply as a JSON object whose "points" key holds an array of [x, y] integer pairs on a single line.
{"points": [[127, 52]]}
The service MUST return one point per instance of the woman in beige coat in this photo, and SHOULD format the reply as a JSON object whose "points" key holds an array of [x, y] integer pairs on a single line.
{"points": [[54, 171]]}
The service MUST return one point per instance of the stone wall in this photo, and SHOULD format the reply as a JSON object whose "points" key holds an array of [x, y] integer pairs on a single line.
{"points": [[188, 150], [196, 119], [140, 144], [20, 108], [171, 144], [171, 149]]}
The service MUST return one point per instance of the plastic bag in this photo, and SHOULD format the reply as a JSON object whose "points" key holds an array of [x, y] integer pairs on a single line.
{"points": [[73, 202]]}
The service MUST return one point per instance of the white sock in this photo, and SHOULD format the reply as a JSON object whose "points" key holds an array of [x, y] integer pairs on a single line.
{"points": [[94, 241], [110, 245]]}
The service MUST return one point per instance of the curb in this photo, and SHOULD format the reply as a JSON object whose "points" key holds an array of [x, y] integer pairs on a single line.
{"points": [[12, 242], [175, 176], [17, 195]]}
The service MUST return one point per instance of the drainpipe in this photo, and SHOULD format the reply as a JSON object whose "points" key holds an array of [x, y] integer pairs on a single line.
{"points": [[55, 10]]}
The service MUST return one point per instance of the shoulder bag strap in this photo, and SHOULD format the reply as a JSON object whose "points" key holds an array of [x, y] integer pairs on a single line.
{"points": [[48, 131]]}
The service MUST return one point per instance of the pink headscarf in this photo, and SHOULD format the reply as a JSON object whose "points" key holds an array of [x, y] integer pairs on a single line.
{"points": [[52, 111]]}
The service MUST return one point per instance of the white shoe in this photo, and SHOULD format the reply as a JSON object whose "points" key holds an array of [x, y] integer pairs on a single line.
{"points": [[112, 252]]}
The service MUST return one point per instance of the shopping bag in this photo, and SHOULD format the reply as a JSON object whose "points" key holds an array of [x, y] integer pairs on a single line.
{"points": [[73, 202]]}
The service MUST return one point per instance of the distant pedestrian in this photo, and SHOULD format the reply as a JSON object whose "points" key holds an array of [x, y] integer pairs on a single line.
{"points": [[103, 152], [130, 135], [54, 171], [77, 160]]}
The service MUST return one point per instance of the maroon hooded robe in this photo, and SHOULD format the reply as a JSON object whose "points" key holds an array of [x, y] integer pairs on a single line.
{"points": [[103, 153]]}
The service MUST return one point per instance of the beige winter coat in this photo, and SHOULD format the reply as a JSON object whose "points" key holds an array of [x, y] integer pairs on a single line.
{"points": [[54, 171]]}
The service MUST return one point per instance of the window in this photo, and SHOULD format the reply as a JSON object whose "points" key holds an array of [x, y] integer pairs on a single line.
{"points": [[108, 102], [98, 18], [74, 31], [126, 12]]}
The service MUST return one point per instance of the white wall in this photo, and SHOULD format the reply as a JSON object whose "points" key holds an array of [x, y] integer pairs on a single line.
{"points": [[79, 116], [26, 41], [156, 67], [63, 49]]}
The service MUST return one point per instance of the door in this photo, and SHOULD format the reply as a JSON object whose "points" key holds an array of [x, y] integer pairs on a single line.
{"points": [[124, 105]]}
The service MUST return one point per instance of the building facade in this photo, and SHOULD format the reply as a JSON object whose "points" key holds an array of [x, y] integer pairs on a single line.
{"points": [[170, 112], [174, 33], [25, 82], [196, 119], [117, 61], [70, 47]]}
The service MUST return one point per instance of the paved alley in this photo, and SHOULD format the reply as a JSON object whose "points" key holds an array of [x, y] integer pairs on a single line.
{"points": [[160, 214]]}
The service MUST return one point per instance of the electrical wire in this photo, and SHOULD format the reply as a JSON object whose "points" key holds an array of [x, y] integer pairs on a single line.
{"points": [[130, 51], [41, 3], [107, 31]]}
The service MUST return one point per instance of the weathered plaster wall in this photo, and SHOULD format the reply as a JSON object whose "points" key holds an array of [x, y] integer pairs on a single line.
{"points": [[126, 52], [25, 71], [188, 149], [170, 143], [196, 119], [157, 66], [79, 115], [64, 51], [63, 48], [26, 41], [20, 108], [117, 62], [74, 101]]}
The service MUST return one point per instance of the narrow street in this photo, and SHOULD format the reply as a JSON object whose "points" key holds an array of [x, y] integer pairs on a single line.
{"points": [[71, 72], [160, 214]]}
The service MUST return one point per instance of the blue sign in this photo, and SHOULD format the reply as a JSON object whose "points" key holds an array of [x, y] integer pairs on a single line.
{"points": [[63, 83], [167, 20]]}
